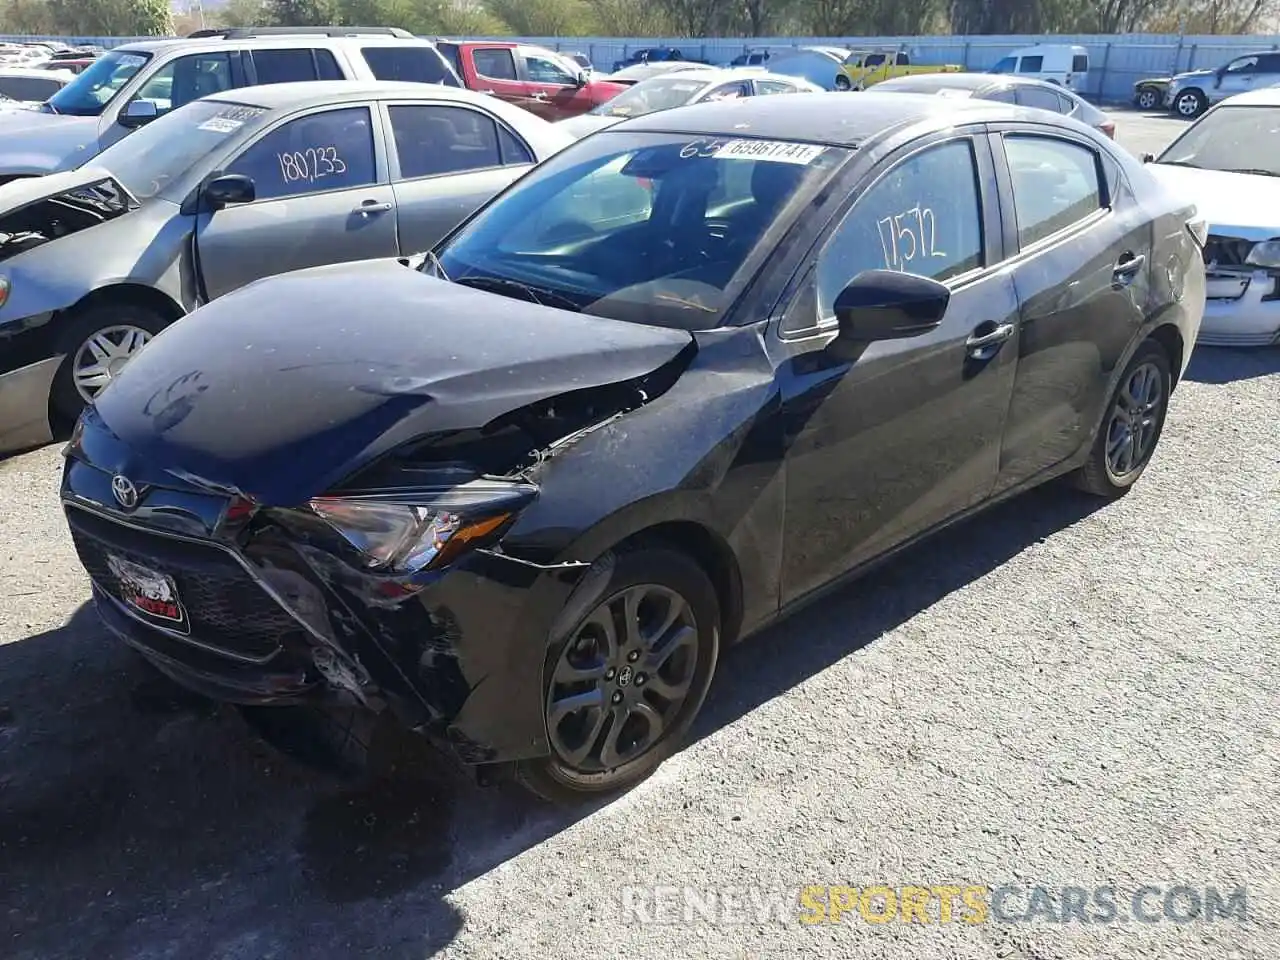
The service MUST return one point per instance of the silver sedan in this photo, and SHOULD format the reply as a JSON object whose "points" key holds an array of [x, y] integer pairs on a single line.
{"points": [[219, 193]]}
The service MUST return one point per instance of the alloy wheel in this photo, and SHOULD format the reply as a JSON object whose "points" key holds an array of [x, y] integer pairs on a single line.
{"points": [[1147, 100], [1135, 420], [623, 678], [103, 355], [1188, 105]]}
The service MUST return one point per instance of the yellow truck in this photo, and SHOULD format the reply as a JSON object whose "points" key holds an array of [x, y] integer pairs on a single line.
{"points": [[863, 68]]}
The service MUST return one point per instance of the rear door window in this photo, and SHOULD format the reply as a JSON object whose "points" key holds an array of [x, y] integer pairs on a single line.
{"points": [[1055, 184], [497, 63], [1040, 99], [412, 64], [291, 65], [434, 140]]}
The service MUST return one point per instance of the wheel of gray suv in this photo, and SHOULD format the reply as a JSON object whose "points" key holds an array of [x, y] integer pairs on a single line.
{"points": [[98, 343], [1189, 104], [1131, 427], [630, 662], [1148, 99]]}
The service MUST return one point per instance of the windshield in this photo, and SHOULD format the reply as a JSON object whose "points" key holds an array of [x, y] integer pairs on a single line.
{"points": [[650, 96], [1232, 138], [163, 151], [93, 89], [655, 228]]}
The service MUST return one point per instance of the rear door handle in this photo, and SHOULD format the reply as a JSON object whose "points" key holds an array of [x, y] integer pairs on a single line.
{"points": [[1127, 268], [984, 346], [371, 206]]}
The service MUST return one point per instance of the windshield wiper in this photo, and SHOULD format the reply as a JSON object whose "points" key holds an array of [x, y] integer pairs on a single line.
{"points": [[1180, 163], [502, 284], [1255, 171]]}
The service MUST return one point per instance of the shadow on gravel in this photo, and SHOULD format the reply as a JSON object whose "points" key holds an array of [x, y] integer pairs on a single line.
{"points": [[1226, 365], [139, 822]]}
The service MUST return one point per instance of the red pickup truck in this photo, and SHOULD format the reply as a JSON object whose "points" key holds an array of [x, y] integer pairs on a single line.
{"points": [[540, 80]]}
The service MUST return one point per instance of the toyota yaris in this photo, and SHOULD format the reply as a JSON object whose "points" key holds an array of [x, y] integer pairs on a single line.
{"points": [[520, 493]]}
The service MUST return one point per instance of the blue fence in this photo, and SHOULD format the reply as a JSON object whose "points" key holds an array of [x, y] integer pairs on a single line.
{"points": [[1117, 62]]}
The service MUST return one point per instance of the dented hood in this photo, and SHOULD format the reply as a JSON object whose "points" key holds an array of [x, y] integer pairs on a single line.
{"points": [[17, 194], [285, 387]]}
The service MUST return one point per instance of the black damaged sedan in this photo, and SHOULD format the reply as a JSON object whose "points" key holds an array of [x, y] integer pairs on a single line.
{"points": [[521, 493]]}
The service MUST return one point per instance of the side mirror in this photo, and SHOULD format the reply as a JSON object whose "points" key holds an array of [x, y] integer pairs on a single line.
{"points": [[138, 112], [229, 188], [887, 305], [580, 79], [1148, 158]]}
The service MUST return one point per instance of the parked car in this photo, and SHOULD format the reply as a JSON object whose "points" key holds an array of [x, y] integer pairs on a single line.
{"points": [[1190, 94], [1228, 162], [864, 68], [68, 64], [628, 76], [534, 78], [32, 86], [529, 507], [822, 66], [1066, 65], [652, 55], [1020, 90], [582, 60], [680, 89], [219, 193], [132, 84]]}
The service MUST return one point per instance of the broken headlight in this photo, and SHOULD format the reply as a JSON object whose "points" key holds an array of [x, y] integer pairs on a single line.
{"points": [[404, 532], [1265, 254]]}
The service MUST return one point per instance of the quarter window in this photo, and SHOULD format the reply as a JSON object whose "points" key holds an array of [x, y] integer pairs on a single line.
{"points": [[437, 139], [1055, 184], [320, 152], [1080, 63], [497, 63], [923, 217]]}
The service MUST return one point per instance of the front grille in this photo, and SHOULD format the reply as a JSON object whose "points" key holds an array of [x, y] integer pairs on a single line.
{"points": [[227, 608], [1226, 251]]}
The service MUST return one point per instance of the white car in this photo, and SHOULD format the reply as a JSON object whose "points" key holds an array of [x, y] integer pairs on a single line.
{"points": [[668, 91], [1228, 162], [32, 86]]}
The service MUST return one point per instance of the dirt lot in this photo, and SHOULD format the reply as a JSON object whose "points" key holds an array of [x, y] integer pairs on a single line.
{"points": [[1054, 694]]}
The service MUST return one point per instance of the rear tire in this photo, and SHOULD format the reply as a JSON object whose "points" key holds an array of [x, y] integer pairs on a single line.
{"points": [[1131, 426], [640, 688], [106, 324]]}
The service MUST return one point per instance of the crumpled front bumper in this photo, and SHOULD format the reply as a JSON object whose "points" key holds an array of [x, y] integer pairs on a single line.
{"points": [[1242, 309]]}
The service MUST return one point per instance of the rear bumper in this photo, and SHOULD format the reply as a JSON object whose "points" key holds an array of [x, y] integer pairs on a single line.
{"points": [[1238, 311]]}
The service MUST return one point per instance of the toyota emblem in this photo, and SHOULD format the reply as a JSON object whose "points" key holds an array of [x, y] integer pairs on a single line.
{"points": [[126, 493]]}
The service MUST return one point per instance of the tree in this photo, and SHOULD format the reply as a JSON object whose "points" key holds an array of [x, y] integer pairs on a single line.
{"points": [[300, 13], [544, 18]]}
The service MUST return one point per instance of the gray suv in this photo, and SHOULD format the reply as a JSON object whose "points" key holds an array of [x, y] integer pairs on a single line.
{"points": [[131, 85], [1190, 94]]}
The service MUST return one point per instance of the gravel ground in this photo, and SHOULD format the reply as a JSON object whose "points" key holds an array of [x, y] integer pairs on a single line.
{"points": [[1054, 693]]}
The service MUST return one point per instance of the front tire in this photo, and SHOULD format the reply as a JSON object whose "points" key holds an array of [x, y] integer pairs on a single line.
{"points": [[1131, 427], [1189, 104], [1147, 99], [631, 660], [99, 343]]}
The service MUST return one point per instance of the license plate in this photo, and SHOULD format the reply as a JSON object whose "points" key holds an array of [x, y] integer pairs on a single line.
{"points": [[149, 592]]}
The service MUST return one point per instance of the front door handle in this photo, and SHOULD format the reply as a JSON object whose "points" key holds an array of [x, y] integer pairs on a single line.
{"points": [[540, 96], [371, 206], [984, 346], [1126, 269], [489, 92]]}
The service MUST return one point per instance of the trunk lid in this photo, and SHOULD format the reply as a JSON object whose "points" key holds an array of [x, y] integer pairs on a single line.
{"points": [[287, 386]]}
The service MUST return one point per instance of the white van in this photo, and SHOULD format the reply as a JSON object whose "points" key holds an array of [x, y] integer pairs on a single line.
{"points": [[1065, 65]]}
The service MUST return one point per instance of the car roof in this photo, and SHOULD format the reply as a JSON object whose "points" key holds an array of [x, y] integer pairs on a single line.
{"points": [[1264, 97], [837, 119], [271, 40], [309, 93]]}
